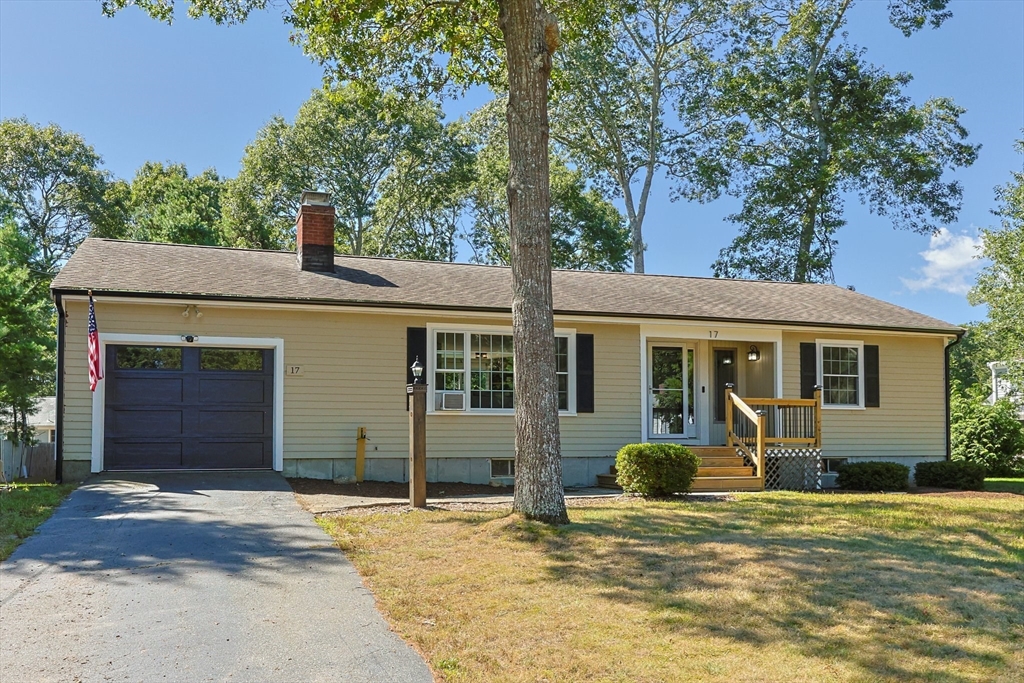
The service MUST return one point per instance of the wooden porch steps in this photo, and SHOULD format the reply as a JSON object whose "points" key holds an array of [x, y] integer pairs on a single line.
{"points": [[721, 469], [726, 484], [725, 472]]}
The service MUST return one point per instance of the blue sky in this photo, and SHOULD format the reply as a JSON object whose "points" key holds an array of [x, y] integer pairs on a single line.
{"points": [[197, 93]]}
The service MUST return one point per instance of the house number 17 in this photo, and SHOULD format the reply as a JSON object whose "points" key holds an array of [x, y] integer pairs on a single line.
{"points": [[713, 334]]}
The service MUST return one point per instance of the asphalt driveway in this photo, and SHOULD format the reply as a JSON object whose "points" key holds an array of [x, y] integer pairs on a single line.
{"points": [[191, 577]]}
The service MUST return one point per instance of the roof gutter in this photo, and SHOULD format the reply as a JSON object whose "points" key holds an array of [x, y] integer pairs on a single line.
{"points": [[489, 309], [949, 430], [59, 417]]}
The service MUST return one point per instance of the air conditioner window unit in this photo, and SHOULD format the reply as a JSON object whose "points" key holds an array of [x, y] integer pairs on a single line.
{"points": [[452, 400]]}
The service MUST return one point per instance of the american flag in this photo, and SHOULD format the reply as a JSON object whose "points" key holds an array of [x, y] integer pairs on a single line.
{"points": [[95, 366]]}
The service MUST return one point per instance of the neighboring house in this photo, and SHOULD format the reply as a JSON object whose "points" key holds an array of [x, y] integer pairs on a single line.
{"points": [[1002, 388], [234, 358]]}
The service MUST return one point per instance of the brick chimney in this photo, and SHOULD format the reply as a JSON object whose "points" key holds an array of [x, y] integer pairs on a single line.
{"points": [[314, 232]]}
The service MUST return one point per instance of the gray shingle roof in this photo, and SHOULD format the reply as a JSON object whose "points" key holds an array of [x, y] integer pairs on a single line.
{"points": [[111, 266]]}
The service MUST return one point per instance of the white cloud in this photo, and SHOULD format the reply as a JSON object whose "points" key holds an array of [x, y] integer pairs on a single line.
{"points": [[950, 263]]}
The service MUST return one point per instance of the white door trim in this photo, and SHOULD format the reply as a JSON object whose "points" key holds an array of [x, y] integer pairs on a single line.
{"points": [[275, 343]]}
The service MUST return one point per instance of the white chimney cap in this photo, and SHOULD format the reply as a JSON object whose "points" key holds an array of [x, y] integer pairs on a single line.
{"points": [[315, 197]]}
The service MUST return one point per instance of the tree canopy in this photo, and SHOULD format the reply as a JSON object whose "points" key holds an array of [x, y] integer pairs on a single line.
{"points": [[587, 231], [631, 100], [395, 171], [820, 122], [53, 187], [166, 204], [26, 332], [1000, 284]]}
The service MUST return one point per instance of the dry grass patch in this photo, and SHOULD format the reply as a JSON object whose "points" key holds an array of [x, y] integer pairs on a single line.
{"points": [[777, 587]]}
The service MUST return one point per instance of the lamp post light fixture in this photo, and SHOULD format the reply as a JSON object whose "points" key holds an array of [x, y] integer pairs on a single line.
{"points": [[753, 354], [417, 370]]}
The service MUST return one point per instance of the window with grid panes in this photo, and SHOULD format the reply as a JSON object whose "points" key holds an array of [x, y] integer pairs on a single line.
{"points": [[840, 375], [482, 363]]}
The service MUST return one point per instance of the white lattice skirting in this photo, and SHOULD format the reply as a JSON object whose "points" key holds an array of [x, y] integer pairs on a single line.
{"points": [[792, 469]]}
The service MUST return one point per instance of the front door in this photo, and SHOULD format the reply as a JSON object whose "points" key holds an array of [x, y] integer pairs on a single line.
{"points": [[672, 409], [724, 368]]}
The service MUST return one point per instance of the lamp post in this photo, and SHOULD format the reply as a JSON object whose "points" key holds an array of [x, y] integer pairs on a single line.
{"points": [[417, 437]]}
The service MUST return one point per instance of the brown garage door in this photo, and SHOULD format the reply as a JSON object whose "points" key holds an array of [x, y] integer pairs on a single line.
{"points": [[174, 407]]}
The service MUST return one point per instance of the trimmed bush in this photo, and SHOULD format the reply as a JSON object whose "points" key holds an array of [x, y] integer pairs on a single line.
{"points": [[950, 474], [989, 435], [656, 469], [873, 476]]}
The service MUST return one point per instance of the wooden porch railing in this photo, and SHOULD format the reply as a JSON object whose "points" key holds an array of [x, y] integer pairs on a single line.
{"points": [[752, 424]]}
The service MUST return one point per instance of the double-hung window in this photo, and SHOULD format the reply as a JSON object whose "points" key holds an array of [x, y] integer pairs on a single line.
{"points": [[841, 373], [473, 370]]}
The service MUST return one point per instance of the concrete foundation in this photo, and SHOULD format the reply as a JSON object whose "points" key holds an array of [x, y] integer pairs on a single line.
{"points": [[76, 470], [575, 471]]}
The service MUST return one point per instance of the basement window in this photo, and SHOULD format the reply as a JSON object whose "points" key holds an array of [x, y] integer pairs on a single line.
{"points": [[503, 469], [831, 465]]}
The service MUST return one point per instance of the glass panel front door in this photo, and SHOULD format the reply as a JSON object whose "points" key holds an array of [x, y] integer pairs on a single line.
{"points": [[671, 391]]}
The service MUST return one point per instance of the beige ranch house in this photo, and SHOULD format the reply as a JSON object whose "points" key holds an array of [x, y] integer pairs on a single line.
{"points": [[231, 358]]}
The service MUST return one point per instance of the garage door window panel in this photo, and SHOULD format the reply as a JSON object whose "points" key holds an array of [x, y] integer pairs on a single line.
{"points": [[231, 360], [148, 358]]}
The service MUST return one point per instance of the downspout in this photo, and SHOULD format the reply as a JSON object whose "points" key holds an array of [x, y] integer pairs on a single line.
{"points": [[59, 421], [949, 441]]}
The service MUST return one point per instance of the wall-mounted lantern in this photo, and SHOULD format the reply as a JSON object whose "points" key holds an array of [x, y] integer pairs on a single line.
{"points": [[753, 354]]}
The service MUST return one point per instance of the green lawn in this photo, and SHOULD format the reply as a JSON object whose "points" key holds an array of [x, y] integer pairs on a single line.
{"points": [[1008, 484], [766, 587], [24, 508]]}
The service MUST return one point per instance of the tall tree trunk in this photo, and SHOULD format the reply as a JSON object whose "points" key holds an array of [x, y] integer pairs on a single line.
{"points": [[531, 37], [636, 228]]}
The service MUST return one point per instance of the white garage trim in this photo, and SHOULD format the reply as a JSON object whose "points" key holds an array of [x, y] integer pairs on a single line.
{"points": [[98, 396]]}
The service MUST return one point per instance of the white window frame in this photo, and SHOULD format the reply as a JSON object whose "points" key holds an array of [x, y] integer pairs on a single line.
{"points": [[99, 396], [859, 345], [432, 332]]}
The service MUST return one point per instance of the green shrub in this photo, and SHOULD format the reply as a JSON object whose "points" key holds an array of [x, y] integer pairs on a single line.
{"points": [[656, 469], [989, 435], [950, 474], [873, 476]]}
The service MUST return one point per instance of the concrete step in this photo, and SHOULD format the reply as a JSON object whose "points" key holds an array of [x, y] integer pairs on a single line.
{"points": [[721, 462], [725, 472], [607, 481], [726, 484]]}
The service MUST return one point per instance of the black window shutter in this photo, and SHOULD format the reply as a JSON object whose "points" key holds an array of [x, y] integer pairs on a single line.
{"points": [[871, 392], [415, 347], [584, 373], [808, 369]]}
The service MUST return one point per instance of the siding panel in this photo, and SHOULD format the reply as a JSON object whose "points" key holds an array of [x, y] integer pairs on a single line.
{"points": [[911, 418]]}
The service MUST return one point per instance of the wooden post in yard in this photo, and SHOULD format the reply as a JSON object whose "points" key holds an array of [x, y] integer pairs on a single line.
{"points": [[418, 445]]}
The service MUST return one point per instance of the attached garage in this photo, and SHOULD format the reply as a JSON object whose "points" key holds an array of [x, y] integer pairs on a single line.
{"points": [[187, 407]]}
